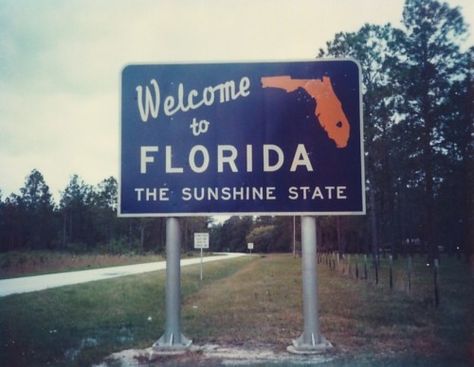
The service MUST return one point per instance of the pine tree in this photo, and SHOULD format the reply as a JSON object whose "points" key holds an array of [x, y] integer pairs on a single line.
{"points": [[433, 31]]}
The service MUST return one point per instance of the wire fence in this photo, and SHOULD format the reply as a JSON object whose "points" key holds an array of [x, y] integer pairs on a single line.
{"points": [[411, 274]]}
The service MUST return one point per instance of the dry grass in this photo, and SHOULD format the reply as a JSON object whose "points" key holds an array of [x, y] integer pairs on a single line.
{"points": [[261, 305], [14, 264], [255, 306]]}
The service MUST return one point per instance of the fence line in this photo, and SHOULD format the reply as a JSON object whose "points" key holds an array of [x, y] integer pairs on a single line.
{"points": [[395, 274]]}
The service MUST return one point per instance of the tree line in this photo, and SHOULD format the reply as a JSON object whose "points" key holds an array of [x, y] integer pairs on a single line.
{"points": [[419, 160], [85, 219]]}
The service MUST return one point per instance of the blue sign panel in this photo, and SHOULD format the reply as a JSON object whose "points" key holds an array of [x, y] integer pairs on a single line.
{"points": [[242, 138]]}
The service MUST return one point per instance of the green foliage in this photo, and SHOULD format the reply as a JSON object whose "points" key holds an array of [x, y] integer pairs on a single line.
{"points": [[85, 220], [418, 120], [29, 217], [119, 246], [233, 233], [262, 237]]}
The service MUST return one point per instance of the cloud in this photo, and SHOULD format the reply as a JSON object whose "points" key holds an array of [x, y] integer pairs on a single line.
{"points": [[59, 134]]}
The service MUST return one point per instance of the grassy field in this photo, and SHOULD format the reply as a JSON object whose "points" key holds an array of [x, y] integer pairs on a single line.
{"points": [[247, 302]]}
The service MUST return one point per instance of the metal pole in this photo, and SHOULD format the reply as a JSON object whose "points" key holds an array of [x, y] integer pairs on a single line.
{"points": [[390, 270], [436, 285], [201, 263], [294, 235], [311, 341], [365, 267], [172, 337], [409, 270]]}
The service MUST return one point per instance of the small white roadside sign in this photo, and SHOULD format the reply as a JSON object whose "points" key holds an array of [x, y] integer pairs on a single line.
{"points": [[201, 240]]}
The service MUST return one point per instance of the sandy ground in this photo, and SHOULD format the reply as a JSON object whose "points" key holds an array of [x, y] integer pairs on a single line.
{"points": [[210, 355]]}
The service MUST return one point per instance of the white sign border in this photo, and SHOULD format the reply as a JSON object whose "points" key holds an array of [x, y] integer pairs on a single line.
{"points": [[210, 214]]}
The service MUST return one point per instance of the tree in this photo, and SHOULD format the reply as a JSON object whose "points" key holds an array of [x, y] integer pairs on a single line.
{"points": [[458, 185], [36, 203], [191, 225], [104, 206], [468, 157], [376, 48], [75, 205], [262, 237], [11, 225], [432, 63], [282, 240], [234, 232]]}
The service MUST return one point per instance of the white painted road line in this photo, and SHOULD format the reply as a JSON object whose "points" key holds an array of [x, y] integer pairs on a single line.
{"points": [[41, 282]]}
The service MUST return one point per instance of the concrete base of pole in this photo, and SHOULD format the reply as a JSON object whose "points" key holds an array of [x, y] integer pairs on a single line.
{"points": [[300, 347], [169, 345]]}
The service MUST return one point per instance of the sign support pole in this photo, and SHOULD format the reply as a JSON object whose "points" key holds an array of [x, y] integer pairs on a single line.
{"points": [[172, 337], [311, 341]]}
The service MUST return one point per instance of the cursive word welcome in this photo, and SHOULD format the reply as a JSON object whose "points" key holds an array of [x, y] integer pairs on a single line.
{"points": [[150, 101]]}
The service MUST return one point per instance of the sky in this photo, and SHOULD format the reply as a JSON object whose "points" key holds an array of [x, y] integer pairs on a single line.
{"points": [[60, 65]]}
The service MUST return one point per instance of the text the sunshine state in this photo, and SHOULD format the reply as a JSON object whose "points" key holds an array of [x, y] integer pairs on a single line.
{"points": [[242, 193]]}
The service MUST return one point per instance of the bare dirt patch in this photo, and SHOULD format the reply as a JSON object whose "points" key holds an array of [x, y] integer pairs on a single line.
{"points": [[210, 355]]}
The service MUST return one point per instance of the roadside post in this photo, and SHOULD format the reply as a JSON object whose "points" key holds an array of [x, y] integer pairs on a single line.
{"points": [[436, 282], [365, 267], [250, 247], [201, 241], [409, 271], [263, 138], [390, 271]]}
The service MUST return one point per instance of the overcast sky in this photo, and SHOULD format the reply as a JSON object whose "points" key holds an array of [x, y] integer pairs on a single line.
{"points": [[60, 64]]}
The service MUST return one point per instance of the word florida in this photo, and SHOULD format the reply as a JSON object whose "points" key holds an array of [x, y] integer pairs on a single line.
{"points": [[225, 158]]}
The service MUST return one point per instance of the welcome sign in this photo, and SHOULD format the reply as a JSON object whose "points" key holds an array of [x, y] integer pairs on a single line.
{"points": [[242, 138]]}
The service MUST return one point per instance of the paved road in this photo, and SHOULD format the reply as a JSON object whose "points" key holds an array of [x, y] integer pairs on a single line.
{"points": [[41, 282]]}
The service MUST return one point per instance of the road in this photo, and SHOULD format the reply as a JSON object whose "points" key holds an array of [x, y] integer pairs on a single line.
{"points": [[41, 282]]}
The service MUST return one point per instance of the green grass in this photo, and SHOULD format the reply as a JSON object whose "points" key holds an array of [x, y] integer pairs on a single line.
{"points": [[248, 302], [77, 325]]}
